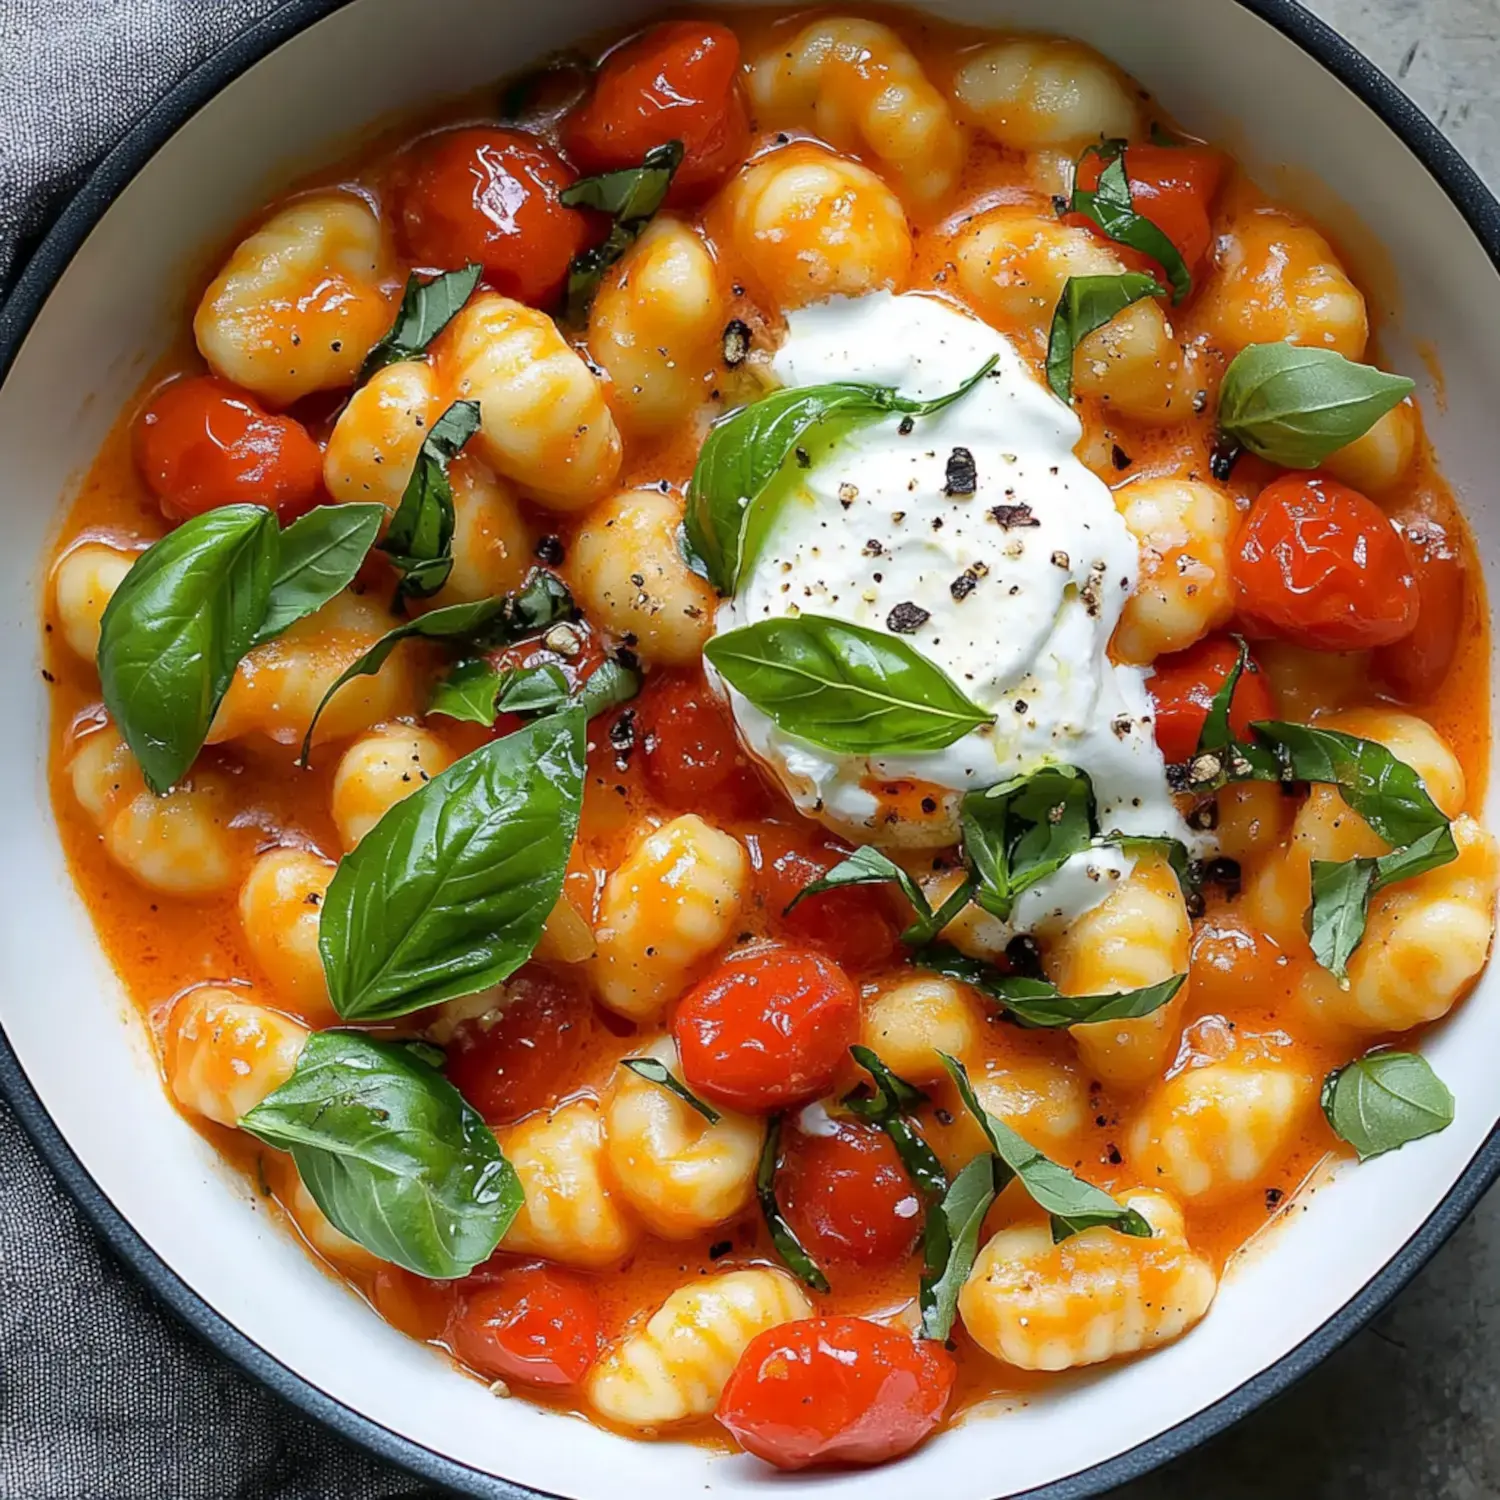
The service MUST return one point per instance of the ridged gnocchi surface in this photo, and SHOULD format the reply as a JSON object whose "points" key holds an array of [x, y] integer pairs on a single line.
{"points": [[224, 1052]]}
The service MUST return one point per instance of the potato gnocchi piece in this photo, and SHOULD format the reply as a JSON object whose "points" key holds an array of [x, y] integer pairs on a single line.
{"points": [[675, 1367], [668, 907], [320, 1231], [224, 1052], [573, 1212], [909, 1022], [492, 540], [281, 904], [544, 422], [628, 572], [83, 582], [1183, 528], [1252, 819], [300, 303], [680, 1173], [1095, 1297], [809, 225], [1031, 95], [1044, 1101], [1376, 462], [374, 443], [856, 85], [379, 770], [1211, 1133]]}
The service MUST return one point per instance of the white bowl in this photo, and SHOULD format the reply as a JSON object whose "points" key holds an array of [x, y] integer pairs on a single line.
{"points": [[90, 314]]}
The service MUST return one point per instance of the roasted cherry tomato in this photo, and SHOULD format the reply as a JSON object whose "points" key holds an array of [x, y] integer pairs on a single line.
{"points": [[489, 197], [676, 82], [769, 1028], [835, 1391], [692, 757], [1415, 665], [522, 1057], [848, 1196], [530, 1323], [852, 924], [1183, 687], [203, 443], [1323, 567]]}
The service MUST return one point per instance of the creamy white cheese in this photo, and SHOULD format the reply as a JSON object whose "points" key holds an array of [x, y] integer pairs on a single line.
{"points": [[981, 523]]}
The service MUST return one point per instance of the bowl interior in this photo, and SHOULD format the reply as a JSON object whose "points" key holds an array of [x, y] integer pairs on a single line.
{"points": [[1226, 74]]}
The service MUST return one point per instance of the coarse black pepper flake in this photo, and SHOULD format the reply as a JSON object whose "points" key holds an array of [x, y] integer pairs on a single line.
{"points": [[1060, 559], [550, 550], [1112, 1155], [736, 342], [1119, 457], [1024, 956], [622, 731], [963, 585], [929, 805], [907, 618], [1273, 1198], [904, 427], [1011, 517], [1222, 459], [803, 457], [962, 477], [719, 1249]]}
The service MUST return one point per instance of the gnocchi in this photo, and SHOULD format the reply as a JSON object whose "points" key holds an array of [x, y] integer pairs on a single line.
{"points": [[281, 902], [224, 1052], [379, 770], [84, 581]]}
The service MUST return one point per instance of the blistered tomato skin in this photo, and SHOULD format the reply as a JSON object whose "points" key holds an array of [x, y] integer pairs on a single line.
{"points": [[489, 197], [533, 1324], [203, 443], [835, 1391], [675, 82], [691, 755], [1321, 566], [768, 1029], [1183, 685]]}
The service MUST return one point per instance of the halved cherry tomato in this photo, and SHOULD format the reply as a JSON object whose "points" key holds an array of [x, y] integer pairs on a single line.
{"points": [[691, 754], [1414, 667], [529, 1323], [848, 1196], [489, 197], [835, 1391], [1183, 687], [676, 82], [203, 443], [852, 924], [525, 1056], [768, 1029], [1323, 567]]}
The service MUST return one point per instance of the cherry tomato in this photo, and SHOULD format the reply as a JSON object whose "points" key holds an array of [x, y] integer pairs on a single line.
{"points": [[852, 924], [1414, 666], [1183, 687], [691, 755], [676, 82], [203, 443], [835, 1391], [523, 1058], [768, 1029], [489, 197], [529, 1323], [1323, 567], [419, 1307], [848, 1196]]}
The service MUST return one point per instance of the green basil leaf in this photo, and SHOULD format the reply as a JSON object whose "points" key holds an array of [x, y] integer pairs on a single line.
{"points": [[419, 540], [1023, 830], [747, 449], [607, 686], [476, 691], [1216, 732], [320, 554], [1385, 1100], [189, 608], [533, 690], [867, 866], [1072, 1204], [392, 1153], [887, 1107], [448, 892], [844, 687], [427, 308], [631, 195], [469, 692], [950, 1242], [661, 1075], [1297, 406], [1087, 303], [1111, 207], [783, 1236]]}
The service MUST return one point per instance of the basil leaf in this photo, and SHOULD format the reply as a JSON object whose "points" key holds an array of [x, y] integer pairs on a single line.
{"points": [[189, 608], [1216, 732], [1087, 303], [950, 1241], [392, 1153], [419, 540], [448, 892], [476, 691], [843, 686], [1384, 1100], [1296, 406], [1023, 830], [608, 685], [892, 1100], [1038, 1003], [746, 450], [469, 692], [1111, 207], [1189, 872], [631, 195], [533, 690], [661, 1075], [783, 1236], [320, 554], [427, 308], [867, 866], [1072, 1204]]}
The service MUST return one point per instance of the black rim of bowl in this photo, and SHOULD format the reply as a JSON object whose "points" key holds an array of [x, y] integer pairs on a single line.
{"points": [[1482, 213]]}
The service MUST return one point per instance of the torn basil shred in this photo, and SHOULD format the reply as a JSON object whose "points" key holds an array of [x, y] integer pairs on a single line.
{"points": [[783, 1236]]}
